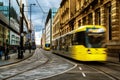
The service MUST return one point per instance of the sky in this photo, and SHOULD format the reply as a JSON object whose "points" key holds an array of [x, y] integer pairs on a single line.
{"points": [[39, 14]]}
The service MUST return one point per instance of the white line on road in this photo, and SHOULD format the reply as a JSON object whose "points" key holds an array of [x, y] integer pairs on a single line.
{"points": [[83, 74], [80, 68]]}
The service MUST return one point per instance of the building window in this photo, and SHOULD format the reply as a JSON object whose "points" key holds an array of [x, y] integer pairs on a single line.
{"points": [[78, 6], [13, 36], [109, 20], [79, 23], [110, 25], [97, 17], [84, 21], [90, 19], [119, 12]]}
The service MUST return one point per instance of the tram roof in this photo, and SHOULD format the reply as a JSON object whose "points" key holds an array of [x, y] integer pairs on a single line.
{"points": [[80, 29], [83, 28]]}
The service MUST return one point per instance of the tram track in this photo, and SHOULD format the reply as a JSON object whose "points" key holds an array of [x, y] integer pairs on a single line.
{"points": [[109, 69], [51, 68], [26, 71], [118, 64], [32, 68], [105, 73], [101, 69]]}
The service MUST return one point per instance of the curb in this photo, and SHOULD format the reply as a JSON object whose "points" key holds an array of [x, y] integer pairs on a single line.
{"points": [[20, 60]]}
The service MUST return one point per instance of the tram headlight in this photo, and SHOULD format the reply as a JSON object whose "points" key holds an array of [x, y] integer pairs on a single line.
{"points": [[105, 51], [88, 51]]}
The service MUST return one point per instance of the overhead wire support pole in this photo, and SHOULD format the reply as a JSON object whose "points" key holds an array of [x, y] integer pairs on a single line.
{"points": [[30, 31], [20, 55]]}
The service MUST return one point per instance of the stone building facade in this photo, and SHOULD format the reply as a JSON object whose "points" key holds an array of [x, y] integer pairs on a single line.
{"points": [[48, 26], [43, 41], [74, 13], [56, 26]]}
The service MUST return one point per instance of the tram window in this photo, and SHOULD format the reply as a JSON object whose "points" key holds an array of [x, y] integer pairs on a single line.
{"points": [[79, 38], [70, 39]]}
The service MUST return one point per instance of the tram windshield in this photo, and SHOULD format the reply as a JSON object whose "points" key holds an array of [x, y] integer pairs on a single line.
{"points": [[95, 40], [95, 37], [47, 45]]}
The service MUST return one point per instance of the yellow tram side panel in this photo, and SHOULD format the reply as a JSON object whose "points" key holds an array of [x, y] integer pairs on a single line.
{"points": [[79, 52]]}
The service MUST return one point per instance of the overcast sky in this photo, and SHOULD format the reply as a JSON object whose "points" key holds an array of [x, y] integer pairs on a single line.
{"points": [[38, 17]]}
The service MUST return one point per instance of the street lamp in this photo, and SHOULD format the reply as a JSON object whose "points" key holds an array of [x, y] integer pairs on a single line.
{"points": [[30, 25], [9, 18], [20, 54]]}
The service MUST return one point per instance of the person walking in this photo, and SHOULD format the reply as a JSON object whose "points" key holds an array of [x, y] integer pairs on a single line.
{"points": [[29, 47], [19, 52], [1, 52], [7, 53]]}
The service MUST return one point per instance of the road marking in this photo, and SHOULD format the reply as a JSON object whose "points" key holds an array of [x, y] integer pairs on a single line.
{"points": [[75, 65], [80, 68], [83, 74]]}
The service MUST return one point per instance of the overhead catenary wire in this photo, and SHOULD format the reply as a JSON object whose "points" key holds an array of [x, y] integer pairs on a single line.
{"points": [[41, 7]]}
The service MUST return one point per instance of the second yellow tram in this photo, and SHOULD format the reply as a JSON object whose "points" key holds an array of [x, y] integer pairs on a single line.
{"points": [[47, 46]]}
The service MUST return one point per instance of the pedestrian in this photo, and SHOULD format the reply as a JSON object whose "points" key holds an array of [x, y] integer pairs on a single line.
{"points": [[18, 52], [7, 53], [29, 48], [24, 49], [1, 52]]}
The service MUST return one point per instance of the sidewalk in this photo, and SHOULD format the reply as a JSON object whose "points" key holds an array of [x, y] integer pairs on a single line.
{"points": [[13, 58], [113, 59]]}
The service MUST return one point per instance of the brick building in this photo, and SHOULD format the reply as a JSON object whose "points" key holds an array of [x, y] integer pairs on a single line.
{"points": [[74, 13]]}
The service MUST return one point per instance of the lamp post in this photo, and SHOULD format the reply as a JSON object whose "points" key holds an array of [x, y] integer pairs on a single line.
{"points": [[9, 18], [30, 26]]}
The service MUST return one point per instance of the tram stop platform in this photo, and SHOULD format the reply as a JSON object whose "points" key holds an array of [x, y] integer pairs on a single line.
{"points": [[14, 58]]}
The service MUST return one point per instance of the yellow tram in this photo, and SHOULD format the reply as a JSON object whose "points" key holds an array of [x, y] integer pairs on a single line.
{"points": [[84, 44]]}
